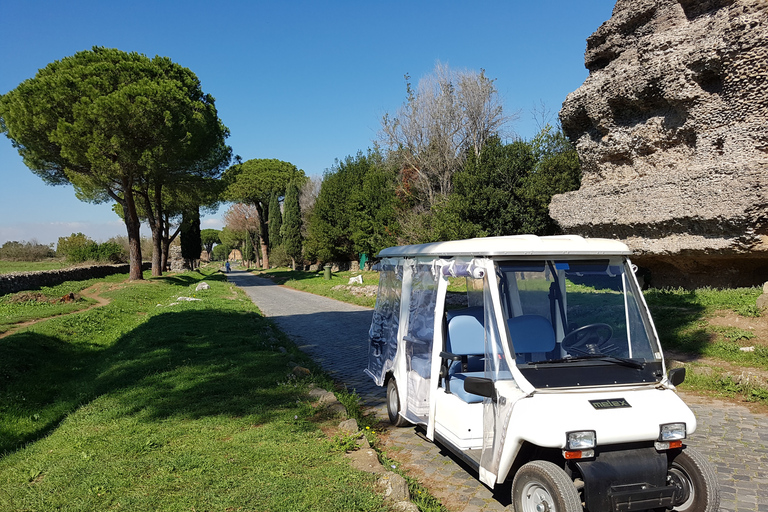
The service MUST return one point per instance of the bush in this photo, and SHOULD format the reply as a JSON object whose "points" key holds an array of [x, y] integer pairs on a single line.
{"points": [[73, 242], [279, 257], [91, 251], [26, 251], [220, 253]]}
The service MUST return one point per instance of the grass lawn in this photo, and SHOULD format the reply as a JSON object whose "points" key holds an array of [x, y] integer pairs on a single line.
{"points": [[31, 266], [46, 301], [152, 403], [336, 288]]}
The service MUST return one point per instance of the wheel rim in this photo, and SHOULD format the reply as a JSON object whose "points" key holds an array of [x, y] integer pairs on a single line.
{"points": [[393, 402], [537, 498], [680, 479]]}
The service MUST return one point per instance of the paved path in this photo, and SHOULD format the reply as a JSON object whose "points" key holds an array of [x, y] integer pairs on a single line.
{"points": [[335, 334]]}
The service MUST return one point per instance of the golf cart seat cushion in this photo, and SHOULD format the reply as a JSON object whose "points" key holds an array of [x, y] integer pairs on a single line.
{"points": [[422, 366], [466, 335], [457, 387], [531, 334]]}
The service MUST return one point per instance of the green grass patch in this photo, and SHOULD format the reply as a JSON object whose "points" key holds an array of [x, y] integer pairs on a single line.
{"points": [[315, 282], [716, 383], [681, 321], [157, 403], [31, 266], [46, 302]]}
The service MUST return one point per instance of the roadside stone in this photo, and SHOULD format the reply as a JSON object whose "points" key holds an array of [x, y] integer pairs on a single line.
{"points": [[762, 300], [337, 409], [349, 426], [405, 506], [394, 487], [322, 396], [300, 371], [202, 286]]}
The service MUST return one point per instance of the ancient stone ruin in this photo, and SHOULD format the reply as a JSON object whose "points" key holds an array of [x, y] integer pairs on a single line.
{"points": [[671, 127]]}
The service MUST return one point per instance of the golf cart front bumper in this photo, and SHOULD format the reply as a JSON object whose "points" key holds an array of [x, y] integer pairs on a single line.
{"points": [[627, 479]]}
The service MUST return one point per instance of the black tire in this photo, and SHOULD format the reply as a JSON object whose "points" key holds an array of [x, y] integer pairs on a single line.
{"points": [[541, 485], [393, 405], [691, 472]]}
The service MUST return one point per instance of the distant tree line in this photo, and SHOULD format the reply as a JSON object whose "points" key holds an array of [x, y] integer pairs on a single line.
{"points": [[140, 132]]}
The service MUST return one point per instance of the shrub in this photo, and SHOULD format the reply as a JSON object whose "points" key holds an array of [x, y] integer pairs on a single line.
{"points": [[279, 257], [220, 253], [73, 242], [91, 251], [26, 251]]}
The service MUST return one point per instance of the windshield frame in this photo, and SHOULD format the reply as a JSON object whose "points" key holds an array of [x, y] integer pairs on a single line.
{"points": [[596, 369]]}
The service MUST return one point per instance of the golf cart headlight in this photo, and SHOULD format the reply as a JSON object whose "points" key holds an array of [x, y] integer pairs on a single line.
{"points": [[672, 432], [581, 440]]}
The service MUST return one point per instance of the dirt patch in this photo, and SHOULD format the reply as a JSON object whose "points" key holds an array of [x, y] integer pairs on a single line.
{"points": [[758, 326], [92, 292]]}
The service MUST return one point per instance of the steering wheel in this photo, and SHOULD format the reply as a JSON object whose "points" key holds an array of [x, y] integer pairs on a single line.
{"points": [[589, 339]]}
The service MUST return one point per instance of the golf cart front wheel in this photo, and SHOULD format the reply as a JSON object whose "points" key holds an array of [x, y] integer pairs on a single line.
{"points": [[698, 490], [393, 405], [542, 486]]}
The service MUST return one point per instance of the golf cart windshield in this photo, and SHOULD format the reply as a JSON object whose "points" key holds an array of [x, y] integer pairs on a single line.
{"points": [[578, 323]]}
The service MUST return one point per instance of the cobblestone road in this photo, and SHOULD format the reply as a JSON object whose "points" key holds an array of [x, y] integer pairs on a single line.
{"points": [[335, 334]]}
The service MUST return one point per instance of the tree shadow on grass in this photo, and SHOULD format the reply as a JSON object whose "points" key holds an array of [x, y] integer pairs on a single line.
{"points": [[678, 320], [42, 379], [188, 363], [199, 363]]}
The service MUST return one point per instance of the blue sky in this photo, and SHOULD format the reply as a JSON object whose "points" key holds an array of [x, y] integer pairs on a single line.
{"points": [[301, 81]]}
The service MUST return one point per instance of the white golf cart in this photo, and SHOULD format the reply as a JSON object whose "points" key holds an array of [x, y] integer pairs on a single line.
{"points": [[547, 371]]}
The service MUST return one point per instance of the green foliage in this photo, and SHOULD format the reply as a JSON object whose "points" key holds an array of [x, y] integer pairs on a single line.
{"points": [[248, 253], [221, 252], [107, 252], [67, 244], [275, 220], [25, 251], [209, 237], [485, 199], [231, 238], [116, 126], [557, 171], [354, 211], [291, 231], [279, 257], [507, 188], [254, 181], [191, 243]]}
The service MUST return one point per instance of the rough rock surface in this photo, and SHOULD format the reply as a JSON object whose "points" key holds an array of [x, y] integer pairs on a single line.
{"points": [[671, 127]]}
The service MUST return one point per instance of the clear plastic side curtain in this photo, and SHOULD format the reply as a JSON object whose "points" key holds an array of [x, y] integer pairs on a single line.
{"points": [[496, 413], [418, 341], [385, 323]]}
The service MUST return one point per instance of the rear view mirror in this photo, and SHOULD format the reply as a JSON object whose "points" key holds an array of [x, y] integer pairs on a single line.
{"points": [[480, 386], [676, 376]]}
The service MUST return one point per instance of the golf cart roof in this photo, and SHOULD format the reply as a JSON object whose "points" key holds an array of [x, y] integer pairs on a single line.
{"points": [[518, 245]]}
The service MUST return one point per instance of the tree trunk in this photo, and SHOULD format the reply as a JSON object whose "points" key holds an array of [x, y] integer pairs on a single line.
{"points": [[133, 225], [264, 252], [157, 235]]}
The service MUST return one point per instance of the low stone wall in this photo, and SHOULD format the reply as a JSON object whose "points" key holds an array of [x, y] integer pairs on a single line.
{"points": [[18, 281]]}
